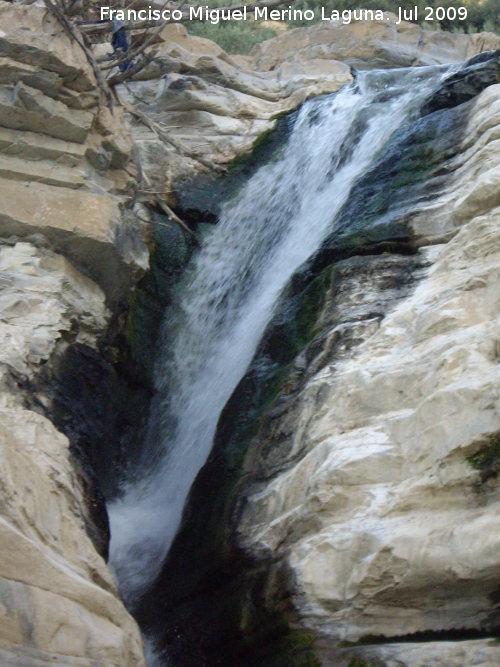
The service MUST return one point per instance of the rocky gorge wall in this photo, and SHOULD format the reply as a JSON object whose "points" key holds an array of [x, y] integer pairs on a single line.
{"points": [[86, 264], [384, 496], [353, 481], [70, 252]]}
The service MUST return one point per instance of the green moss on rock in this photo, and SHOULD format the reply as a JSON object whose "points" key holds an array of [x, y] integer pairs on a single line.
{"points": [[487, 459], [200, 198], [357, 661]]}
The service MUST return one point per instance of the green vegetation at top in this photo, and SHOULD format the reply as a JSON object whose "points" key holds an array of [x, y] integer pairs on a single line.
{"points": [[481, 15], [233, 36], [238, 37]]}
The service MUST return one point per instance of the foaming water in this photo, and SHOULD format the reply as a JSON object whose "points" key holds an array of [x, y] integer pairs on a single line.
{"points": [[228, 295]]}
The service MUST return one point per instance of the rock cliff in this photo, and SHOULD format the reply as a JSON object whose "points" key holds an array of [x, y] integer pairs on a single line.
{"points": [[353, 483], [376, 468], [213, 104], [370, 45], [70, 252]]}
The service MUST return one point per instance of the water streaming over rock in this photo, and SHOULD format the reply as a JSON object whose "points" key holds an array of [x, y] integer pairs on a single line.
{"points": [[230, 290]]}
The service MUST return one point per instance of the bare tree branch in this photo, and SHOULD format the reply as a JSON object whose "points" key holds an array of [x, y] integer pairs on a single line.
{"points": [[128, 57], [136, 52], [79, 34], [56, 11], [166, 209], [103, 28], [173, 216], [163, 136], [132, 71]]}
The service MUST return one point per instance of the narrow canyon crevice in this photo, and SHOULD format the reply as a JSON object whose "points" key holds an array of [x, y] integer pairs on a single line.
{"points": [[334, 304]]}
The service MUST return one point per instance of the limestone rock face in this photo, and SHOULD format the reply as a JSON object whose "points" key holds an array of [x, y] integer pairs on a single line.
{"points": [[42, 295], [58, 601], [71, 248], [480, 653], [476, 172], [375, 471], [370, 44], [31, 37], [380, 496], [214, 106], [66, 173]]}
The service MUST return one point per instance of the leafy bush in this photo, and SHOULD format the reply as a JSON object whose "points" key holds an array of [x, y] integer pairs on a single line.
{"points": [[232, 36], [481, 14]]}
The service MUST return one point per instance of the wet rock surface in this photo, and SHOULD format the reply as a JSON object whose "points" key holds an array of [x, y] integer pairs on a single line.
{"points": [[332, 507]]}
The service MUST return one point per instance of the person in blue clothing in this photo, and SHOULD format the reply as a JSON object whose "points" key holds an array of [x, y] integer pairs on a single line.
{"points": [[120, 44]]}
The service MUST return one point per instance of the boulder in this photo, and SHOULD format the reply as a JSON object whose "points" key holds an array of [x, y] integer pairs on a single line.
{"points": [[42, 171], [34, 147], [41, 296], [370, 44], [94, 235], [25, 108], [12, 72]]}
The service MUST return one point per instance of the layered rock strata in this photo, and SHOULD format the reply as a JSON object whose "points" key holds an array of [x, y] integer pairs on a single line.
{"points": [[212, 105], [370, 44], [382, 466], [70, 250], [65, 167], [58, 601], [217, 105]]}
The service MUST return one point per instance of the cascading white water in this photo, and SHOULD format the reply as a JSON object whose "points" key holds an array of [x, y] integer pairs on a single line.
{"points": [[227, 297]]}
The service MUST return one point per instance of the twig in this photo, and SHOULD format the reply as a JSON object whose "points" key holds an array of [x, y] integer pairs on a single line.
{"points": [[132, 71], [168, 211], [101, 28], [136, 96], [133, 54], [153, 222], [60, 16]]}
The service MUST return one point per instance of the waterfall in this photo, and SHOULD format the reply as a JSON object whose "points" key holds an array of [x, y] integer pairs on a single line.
{"points": [[229, 292]]}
